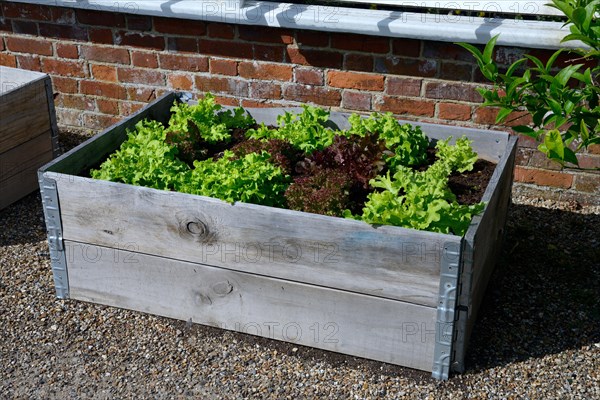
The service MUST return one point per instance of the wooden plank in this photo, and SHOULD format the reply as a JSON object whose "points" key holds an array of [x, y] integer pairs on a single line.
{"points": [[21, 184], [481, 246], [364, 326], [13, 78], [23, 114], [27, 156], [94, 150], [385, 261]]}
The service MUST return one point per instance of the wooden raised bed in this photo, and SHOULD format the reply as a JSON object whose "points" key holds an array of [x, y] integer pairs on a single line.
{"points": [[28, 133], [391, 294]]}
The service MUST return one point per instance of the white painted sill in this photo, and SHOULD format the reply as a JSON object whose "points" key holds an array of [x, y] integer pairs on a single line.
{"points": [[446, 28]]}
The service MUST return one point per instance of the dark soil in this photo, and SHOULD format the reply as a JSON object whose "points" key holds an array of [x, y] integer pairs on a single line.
{"points": [[470, 185]]}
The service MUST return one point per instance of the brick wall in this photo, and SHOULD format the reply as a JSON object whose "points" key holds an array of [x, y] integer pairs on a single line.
{"points": [[106, 65]]}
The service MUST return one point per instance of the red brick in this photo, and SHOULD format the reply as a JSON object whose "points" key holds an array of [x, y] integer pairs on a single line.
{"points": [[106, 73], [113, 55], [406, 47], [487, 116], [446, 51], [358, 62], [260, 104], [64, 68], [143, 59], [221, 31], [403, 86], [540, 160], [405, 106], [456, 72], [27, 45], [265, 71], [99, 121], [223, 67], [128, 108], [507, 55], [355, 80], [214, 84], [29, 62], [100, 18], [142, 94], [135, 39], [68, 117], [588, 183], [182, 45], [63, 15], [77, 102], [543, 178], [265, 90], [227, 101], [183, 63], [101, 35], [68, 32], [176, 26], [264, 34], [26, 11], [315, 58], [139, 23], [454, 111], [265, 52], [103, 89], [523, 156], [226, 49], [8, 60], [312, 38], [594, 149], [5, 25], [25, 27], [64, 85], [106, 106], [180, 82], [313, 94], [140, 76], [356, 100], [365, 43], [308, 76], [452, 91], [65, 50], [406, 66]]}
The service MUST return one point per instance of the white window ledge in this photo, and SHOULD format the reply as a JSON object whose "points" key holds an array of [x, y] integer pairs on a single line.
{"points": [[448, 28]]}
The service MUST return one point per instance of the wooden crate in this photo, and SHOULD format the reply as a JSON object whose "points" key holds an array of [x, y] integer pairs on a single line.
{"points": [[28, 133], [386, 293]]}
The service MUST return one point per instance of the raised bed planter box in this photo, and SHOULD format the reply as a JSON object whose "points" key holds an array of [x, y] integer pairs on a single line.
{"points": [[386, 293], [28, 133]]}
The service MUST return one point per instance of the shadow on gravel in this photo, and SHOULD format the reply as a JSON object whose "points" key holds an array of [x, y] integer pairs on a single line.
{"points": [[23, 221], [544, 296]]}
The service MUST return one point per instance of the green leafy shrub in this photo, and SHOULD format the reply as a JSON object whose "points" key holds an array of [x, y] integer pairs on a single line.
{"points": [[251, 178], [564, 104], [144, 159], [368, 172], [326, 192], [305, 131]]}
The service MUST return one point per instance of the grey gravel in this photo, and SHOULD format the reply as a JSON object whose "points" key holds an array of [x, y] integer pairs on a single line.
{"points": [[538, 335]]}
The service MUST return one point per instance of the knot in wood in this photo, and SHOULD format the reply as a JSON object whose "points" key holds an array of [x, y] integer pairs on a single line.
{"points": [[197, 228]]}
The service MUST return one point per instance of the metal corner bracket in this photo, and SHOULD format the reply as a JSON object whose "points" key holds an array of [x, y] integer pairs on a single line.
{"points": [[446, 310], [58, 259]]}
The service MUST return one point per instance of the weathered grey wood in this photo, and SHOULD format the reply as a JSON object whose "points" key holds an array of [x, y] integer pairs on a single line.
{"points": [[27, 130], [23, 114], [91, 152], [349, 323], [481, 247], [386, 261], [19, 165]]}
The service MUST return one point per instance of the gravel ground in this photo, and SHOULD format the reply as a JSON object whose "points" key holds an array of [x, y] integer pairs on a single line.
{"points": [[538, 335]]}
